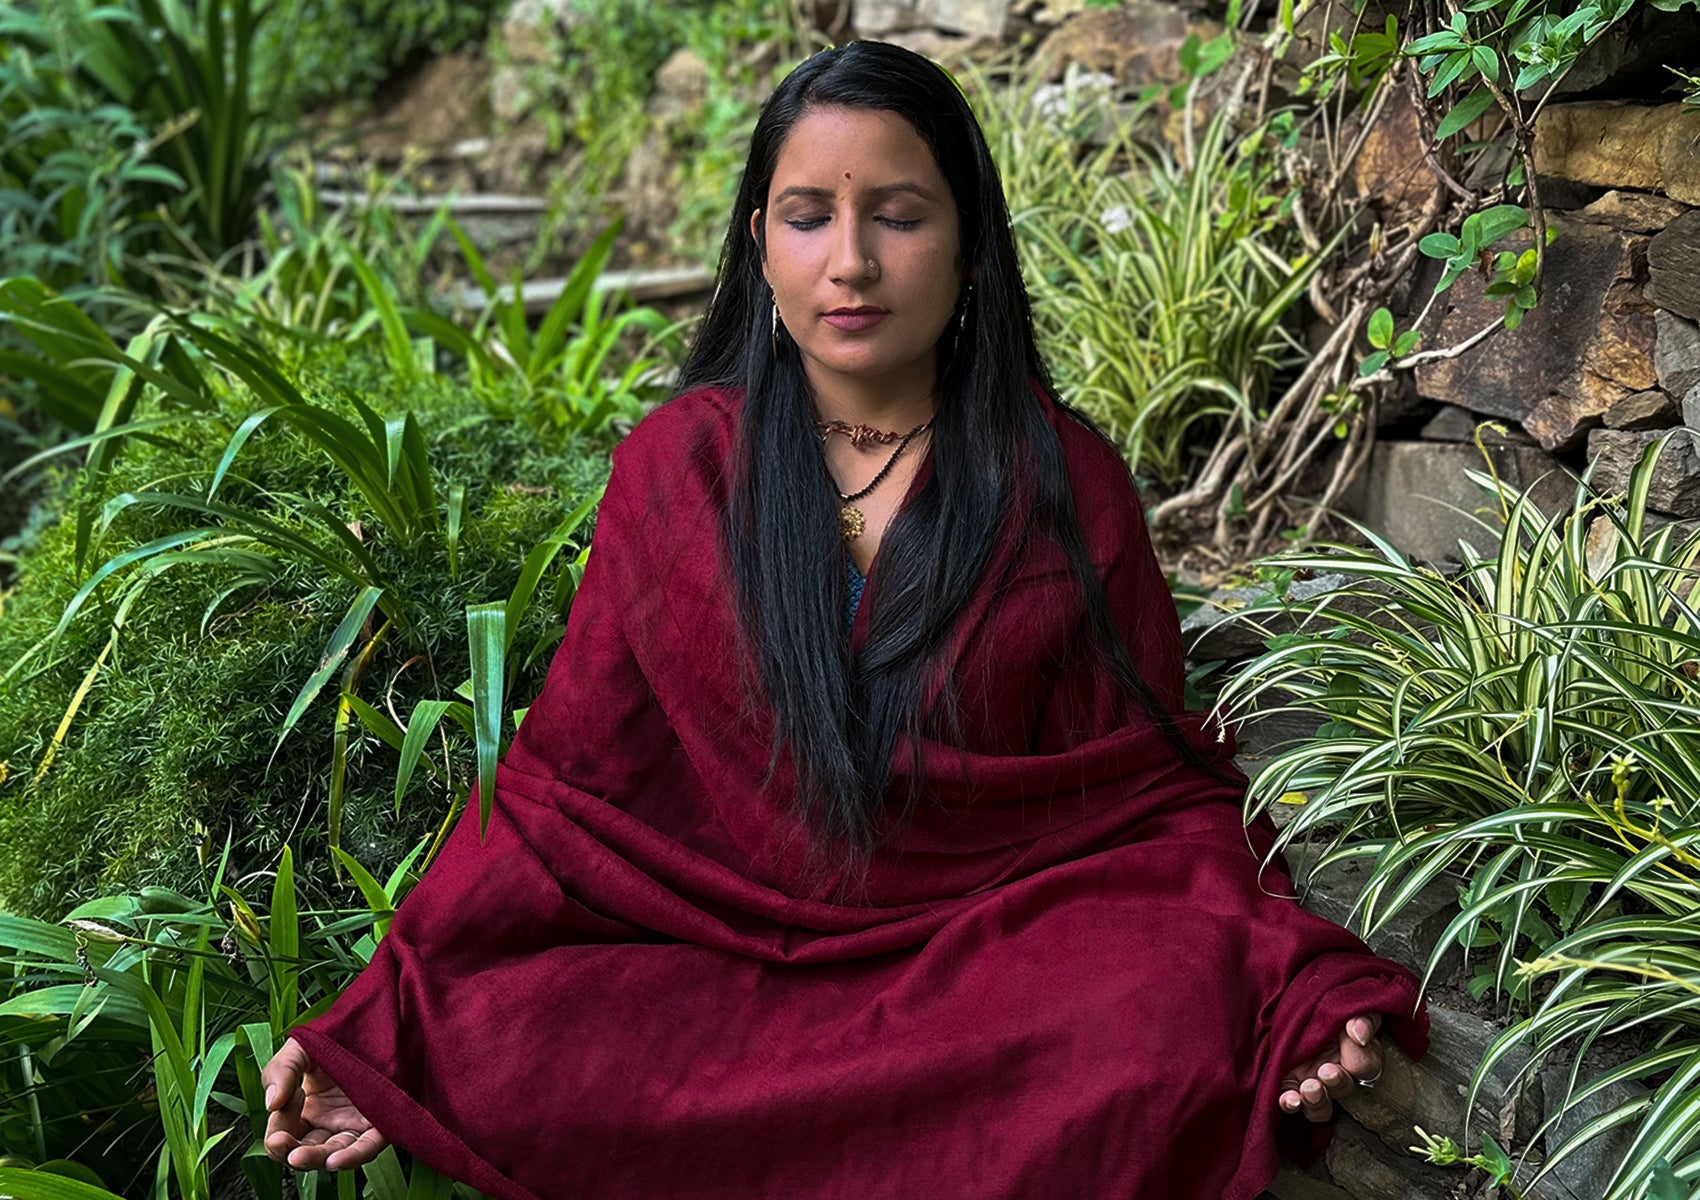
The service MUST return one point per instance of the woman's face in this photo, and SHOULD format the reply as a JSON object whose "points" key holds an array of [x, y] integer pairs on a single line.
{"points": [[859, 215]]}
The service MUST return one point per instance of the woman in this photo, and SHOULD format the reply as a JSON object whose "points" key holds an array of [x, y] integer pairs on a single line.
{"points": [[857, 842]]}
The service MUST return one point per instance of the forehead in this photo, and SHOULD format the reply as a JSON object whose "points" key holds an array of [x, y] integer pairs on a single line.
{"points": [[869, 146]]}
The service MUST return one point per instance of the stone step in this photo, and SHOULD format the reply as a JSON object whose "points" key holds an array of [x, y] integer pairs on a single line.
{"points": [[644, 286]]}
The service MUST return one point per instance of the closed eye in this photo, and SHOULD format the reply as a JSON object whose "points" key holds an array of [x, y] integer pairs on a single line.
{"points": [[815, 222]]}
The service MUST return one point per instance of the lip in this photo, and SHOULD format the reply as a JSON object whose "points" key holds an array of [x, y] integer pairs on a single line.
{"points": [[854, 319]]}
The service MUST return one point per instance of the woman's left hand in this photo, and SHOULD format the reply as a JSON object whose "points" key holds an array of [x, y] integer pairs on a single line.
{"points": [[1315, 1085]]}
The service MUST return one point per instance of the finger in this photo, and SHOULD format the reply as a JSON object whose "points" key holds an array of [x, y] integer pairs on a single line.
{"points": [[281, 1077], [284, 1131], [1362, 1062], [1361, 1029], [1335, 1079], [1317, 1106], [1290, 1100], [315, 1148], [365, 1148]]}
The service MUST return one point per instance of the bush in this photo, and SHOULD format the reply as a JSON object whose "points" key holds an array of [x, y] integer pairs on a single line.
{"points": [[313, 51], [1161, 289], [177, 731], [1530, 731]]}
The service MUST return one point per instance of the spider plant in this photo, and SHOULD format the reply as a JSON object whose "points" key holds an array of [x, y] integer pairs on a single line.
{"points": [[1160, 285], [1529, 732]]}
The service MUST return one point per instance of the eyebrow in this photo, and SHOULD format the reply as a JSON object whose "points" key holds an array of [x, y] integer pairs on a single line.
{"points": [[880, 192]]}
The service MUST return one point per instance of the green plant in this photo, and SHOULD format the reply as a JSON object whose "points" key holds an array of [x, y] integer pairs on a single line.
{"points": [[593, 90], [160, 692], [181, 71], [562, 373], [206, 990], [1527, 729], [1160, 288], [311, 52], [1482, 71], [76, 177]]}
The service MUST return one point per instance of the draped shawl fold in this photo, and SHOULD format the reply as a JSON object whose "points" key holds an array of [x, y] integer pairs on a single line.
{"points": [[1066, 977]]}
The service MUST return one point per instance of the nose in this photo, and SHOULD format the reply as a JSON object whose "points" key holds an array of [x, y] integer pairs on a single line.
{"points": [[852, 262]]}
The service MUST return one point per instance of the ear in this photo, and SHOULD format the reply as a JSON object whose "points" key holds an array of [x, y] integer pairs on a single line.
{"points": [[756, 235]]}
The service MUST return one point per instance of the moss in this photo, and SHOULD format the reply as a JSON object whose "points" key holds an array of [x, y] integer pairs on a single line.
{"points": [[180, 725]]}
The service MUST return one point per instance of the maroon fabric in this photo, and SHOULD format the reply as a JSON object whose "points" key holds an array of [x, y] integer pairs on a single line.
{"points": [[1065, 978]]}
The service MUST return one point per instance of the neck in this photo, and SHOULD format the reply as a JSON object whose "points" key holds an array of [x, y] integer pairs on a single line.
{"points": [[885, 403]]}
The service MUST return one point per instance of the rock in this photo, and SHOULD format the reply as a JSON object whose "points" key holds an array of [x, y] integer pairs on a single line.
{"points": [[1450, 424], [1235, 622], [1621, 145], [947, 47], [681, 82], [1431, 1094], [985, 18], [1586, 347], [1409, 936], [1691, 407], [1368, 1169], [876, 18], [1644, 410], [530, 30], [1676, 479], [510, 97], [1295, 1184], [1417, 496], [1454, 424], [1138, 43], [1583, 1174], [1397, 182], [1676, 353], [1673, 266], [1633, 212], [1266, 731]]}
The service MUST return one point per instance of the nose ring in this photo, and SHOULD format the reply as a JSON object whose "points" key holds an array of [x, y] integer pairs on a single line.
{"points": [[873, 267]]}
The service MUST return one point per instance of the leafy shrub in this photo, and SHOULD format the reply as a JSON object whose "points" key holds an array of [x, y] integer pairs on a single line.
{"points": [[181, 721], [83, 82], [131, 1014], [1161, 289], [312, 51], [1531, 730], [595, 92]]}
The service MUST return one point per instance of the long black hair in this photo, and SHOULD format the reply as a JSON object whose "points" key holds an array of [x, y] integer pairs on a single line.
{"points": [[840, 713]]}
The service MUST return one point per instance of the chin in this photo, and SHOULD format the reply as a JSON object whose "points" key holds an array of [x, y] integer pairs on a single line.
{"points": [[866, 366]]}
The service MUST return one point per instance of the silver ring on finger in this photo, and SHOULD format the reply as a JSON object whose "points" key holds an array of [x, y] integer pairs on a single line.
{"points": [[1369, 1083]]}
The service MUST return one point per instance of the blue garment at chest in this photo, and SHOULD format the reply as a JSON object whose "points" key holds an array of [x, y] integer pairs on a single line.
{"points": [[855, 581]]}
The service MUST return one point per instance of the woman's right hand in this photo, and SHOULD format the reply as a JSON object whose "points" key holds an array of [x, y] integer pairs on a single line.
{"points": [[313, 1125]]}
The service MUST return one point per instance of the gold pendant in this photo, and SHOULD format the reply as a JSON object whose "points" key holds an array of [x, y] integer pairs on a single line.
{"points": [[851, 522]]}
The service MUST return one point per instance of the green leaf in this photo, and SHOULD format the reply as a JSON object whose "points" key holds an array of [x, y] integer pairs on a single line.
{"points": [[376, 898], [284, 942], [1439, 245], [1372, 364], [1381, 328], [41, 1185], [485, 627], [1664, 1184], [1408, 341], [1496, 1162], [421, 724], [1464, 112], [335, 651]]}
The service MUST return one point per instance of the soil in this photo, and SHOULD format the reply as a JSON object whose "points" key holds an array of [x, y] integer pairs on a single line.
{"points": [[443, 101]]}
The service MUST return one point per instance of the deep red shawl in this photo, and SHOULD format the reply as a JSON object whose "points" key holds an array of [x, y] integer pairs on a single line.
{"points": [[1064, 979]]}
